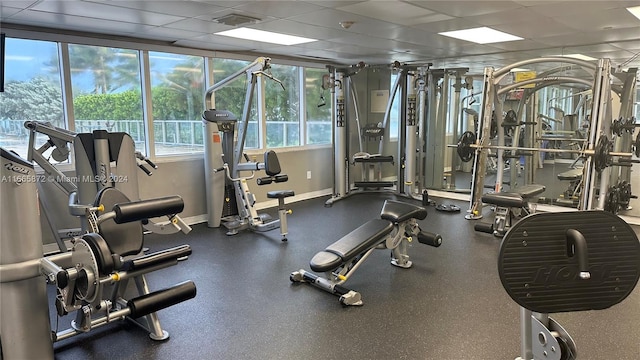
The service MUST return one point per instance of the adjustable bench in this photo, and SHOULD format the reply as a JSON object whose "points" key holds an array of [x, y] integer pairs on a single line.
{"points": [[395, 228], [509, 205]]}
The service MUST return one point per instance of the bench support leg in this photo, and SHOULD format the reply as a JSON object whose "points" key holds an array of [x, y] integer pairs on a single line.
{"points": [[399, 256], [347, 296], [282, 215]]}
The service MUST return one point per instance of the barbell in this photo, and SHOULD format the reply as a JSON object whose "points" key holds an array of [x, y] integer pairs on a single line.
{"points": [[602, 154]]}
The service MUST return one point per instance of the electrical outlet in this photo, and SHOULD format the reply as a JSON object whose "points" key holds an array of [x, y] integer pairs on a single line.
{"points": [[308, 175]]}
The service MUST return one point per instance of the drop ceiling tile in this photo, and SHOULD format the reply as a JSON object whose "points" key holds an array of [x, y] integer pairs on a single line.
{"points": [[207, 45], [198, 25], [299, 29], [278, 9], [332, 4], [600, 20], [6, 12], [447, 25], [510, 16], [627, 45], [520, 45], [176, 8], [467, 8], [542, 27], [391, 11], [570, 8], [168, 34], [78, 23], [331, 19], [103, 11], [591, 37]]}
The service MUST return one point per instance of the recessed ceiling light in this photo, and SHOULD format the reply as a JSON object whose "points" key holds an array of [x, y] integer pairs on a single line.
{"points": [[481, 35], [519, 70], [635, 11], [264, 36], [578, 56]]}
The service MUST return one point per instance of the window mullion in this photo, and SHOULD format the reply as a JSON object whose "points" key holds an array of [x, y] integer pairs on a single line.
{"points": [[67, 92], [147, 110]]}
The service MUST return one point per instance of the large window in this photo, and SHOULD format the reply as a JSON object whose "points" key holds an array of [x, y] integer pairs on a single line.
{"points": [[177, 88], [282, 107], [318, 106], [107, 90], [32, 91], [106, 93]]}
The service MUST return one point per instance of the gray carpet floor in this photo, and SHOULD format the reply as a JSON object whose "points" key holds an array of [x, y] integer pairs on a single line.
{"points": [[449, 306]]}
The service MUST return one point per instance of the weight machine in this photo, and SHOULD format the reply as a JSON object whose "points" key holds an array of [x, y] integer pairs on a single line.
{"points": [[101, 159], [229, 200], [411, 84], [598, 153], [101, 279]]}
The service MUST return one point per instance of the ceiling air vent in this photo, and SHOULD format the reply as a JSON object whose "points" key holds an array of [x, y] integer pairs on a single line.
{"points": [[236, 19]]}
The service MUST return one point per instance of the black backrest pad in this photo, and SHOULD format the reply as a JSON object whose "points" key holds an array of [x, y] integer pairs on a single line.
{"points": [[361, 239], [397, 211], [271, 163], [539, 274], [123, 239], [147, 209]]}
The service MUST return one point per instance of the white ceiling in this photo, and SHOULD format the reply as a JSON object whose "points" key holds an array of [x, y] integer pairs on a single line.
{"points": [[383, 31]]}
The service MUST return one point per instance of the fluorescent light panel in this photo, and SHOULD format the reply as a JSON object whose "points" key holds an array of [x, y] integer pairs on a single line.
{"points": [[578, 56], [481, 35], [635, 11], [264, 36]]}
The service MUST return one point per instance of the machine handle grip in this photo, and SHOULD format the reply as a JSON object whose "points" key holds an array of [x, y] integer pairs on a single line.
{"points": [[145, 209], [429, 238], [151, 163], [144, 168]]}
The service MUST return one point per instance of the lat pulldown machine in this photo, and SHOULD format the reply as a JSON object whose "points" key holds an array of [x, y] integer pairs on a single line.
{"points": [[229, 200]]}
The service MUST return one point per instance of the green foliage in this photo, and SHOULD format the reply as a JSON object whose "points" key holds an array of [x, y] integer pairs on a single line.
{"points": [[36, 99], [121, 106]]}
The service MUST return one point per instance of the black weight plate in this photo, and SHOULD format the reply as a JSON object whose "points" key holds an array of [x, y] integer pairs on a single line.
{"points": [[465, 151]]}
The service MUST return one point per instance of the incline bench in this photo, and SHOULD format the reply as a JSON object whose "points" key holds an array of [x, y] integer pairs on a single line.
{"points": [[394, 230], [509, 204]]}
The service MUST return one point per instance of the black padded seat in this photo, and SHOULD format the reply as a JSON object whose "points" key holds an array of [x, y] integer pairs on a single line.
{"points": [[396, 211], [527, 191], [354, 243], [325, 261], [123, 239], [572, 175], [280, 194], [504, 199]]}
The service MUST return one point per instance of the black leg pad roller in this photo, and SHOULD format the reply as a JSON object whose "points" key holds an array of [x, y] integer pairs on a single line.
{"points": [[146, 209], [158, 300], [431, 239]]}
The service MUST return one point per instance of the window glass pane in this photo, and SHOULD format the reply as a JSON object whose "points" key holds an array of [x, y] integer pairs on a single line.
{"points": [[283, 107], [394, 115], [107, 90], [33, 91], [177, 90], [318, 107], [231, 97]]}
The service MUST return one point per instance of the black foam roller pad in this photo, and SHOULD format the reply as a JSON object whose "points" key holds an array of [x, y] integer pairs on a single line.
{"points": [[145, 209], [158, 300]]}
